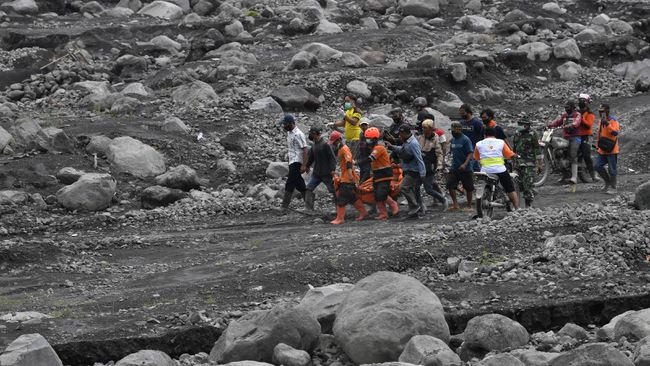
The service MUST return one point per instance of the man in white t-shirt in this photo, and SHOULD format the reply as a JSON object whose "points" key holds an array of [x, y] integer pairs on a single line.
{"points": [[297, 151]]}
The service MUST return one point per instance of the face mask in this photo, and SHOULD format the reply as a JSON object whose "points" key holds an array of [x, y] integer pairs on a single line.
{"points": [[288, 128], [582, 104], [347, 106], [456, 134]]}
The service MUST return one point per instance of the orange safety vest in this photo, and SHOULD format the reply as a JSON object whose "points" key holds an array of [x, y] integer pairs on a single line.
{"points": [[586, 126], [612, 127]]}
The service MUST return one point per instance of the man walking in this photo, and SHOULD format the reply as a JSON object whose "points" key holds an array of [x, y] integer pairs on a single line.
{"points": [[322, 158], [570, 120], [460, 170], [413, 167], [608, 148], [526, 145], [473, 128], [347, 181], [585, 131], [297, 151], [491, 152]]}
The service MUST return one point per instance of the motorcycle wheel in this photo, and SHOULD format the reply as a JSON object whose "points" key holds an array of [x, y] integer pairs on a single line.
{"points": [[484, 206], [541, 178]]}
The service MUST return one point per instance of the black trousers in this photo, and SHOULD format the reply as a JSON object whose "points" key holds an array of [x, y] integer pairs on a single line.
{"points": [[585, 153], [294, 179]]}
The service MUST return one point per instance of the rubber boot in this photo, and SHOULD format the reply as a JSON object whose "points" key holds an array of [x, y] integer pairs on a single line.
{"points": [[309, 200], [361, 209], [594, 177], [340, 216], [603, 174], [574, 173], [381, 208], [612, 185], [394, 207], [286, 200]]}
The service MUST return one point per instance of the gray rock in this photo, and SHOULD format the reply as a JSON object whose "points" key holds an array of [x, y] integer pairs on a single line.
{"points": [[573, 331], [553, 8], [146, 358], [323, 302], [474, 6], [130, 65], [248, 363], [467, 268], [373, 57], [452, 264], [295, 98], [175, 124], [642, 196], [6, 139], [420, 8], [428, 350], [69, 175], [28, 133], [30, 350], [267, 105], [227, 166], [567, 49], [8, 197], [411, 20], [382, 312], [327, 27], [289, 356], [277, 169], [183, 4], [98, 145], [533, 357], [136, 89], [92, 7], [166, 43], [234, 29], [350, 59], [516, 15], [203, 7], [430, 60], [117, 12], [502, 359], [254, 336], [194, 93], [475, 23], [596, 354], [128, 155], [458, 71], [492, 332], [322, 51], [91, 192], [636, 325], [162, 9], [449, 105], [589, 36], [125, 105], [641, 355], [159, 196], [358, 88], [134, 5], [379, 6], [302, 60], [180, 177], [486, 94], [536, 51], [380, 121], [369, 23], [569, 70], [22, 7], [621, 27]]}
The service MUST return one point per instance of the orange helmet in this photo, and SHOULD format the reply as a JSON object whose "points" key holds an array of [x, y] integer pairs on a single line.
{"points": [[372, 133]]}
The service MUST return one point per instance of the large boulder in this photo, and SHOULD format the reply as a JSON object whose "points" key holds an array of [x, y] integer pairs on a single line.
{"points": [[502, 359], [29, 133], [99, 145], [162, 9], [13, 197], [567, 50], [429, 60], [158, 196], [379, 6], [322, 51], [288, 356], [420, 8], [595, 354], [180, 177], [146, 358], [69, 175], [633, 325], [193, 93], [6, 139], [92, 7], [358, 88], [492, 332], [382, 313], [642, 196], [174, 124], [536, 51], [323, 302], [91, 192], [130, 65], [569, 70], [277, 169], [641, 355], [295, 98], [133, 5], [267, 105], [428, 350], [475, 23], [533, 357], [254, 336], [20, 7], [327, 27], [302, 60], [353, 60], [30, 350], [128, 155]]}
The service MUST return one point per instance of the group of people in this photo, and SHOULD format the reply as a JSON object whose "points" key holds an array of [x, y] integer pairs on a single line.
{"points": [[420, 149]]}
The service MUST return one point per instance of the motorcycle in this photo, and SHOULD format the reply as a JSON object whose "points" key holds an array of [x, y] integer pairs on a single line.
{"points": [[556, 158], [490, 194]]}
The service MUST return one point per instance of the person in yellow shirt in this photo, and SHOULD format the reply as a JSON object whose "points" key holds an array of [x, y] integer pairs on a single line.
{"points": [[350, 124]]}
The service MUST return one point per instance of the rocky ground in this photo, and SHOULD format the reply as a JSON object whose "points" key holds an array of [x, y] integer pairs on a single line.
{"points": [[142, 163]]}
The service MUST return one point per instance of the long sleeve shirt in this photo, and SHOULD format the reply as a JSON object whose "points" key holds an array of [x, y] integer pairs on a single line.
{"points": [[570, 123], [411, 154], [322, 157], [431, 152]]}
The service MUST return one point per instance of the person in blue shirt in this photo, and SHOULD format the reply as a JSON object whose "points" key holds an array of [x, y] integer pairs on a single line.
{"points": [[414, 170], [460, 171], [472, 127]]}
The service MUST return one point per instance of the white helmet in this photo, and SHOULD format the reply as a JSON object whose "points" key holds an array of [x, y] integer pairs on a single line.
{"points": [[585, 97]]}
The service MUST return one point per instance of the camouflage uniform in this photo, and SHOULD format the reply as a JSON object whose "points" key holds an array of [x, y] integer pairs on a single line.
{"points": [[526, 145]]}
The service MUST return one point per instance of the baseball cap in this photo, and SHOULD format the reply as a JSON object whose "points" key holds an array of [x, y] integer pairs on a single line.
{"points": [[456, 125], [315, 129], [364, 122], [288, 119], [334, 136], [405, 128]]}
